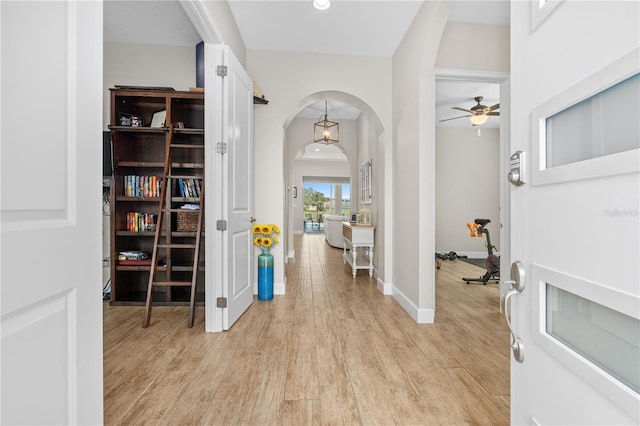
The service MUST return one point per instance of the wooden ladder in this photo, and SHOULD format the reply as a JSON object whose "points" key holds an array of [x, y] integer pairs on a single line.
{"points": [[187, 243]]}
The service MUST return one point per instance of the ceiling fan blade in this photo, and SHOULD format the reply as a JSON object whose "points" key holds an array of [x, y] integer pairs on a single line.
{"points": [[462, 109], [492, 113], [455, 118], [494, 107]]}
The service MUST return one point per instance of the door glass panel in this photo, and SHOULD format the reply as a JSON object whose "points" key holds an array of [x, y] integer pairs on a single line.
{"points": [[606, 337], [604, 124]]}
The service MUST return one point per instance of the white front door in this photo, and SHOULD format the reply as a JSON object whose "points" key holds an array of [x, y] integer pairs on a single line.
{"points": [[231, 95], [575, 222], [51, 196]]}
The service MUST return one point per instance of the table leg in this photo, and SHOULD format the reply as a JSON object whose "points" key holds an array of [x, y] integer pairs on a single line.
{"points": [[370, 252], [354, 254]]}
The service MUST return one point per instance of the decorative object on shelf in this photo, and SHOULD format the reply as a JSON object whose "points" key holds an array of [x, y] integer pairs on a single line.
{"points": [[265, 236], [130, 120], [258, 96], [326, 131], [158, 118]]}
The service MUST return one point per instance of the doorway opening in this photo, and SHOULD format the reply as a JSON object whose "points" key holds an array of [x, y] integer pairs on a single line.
{"points": [[486, 148], [322, 198]]}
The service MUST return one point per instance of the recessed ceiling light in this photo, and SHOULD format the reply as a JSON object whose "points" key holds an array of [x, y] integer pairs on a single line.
{"points": [[321, 4], [317, 149]]}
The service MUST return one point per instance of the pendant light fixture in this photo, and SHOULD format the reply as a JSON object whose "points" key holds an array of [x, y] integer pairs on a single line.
{"points": [[326, 131]]}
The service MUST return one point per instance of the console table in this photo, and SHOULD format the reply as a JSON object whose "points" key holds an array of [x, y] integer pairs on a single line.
{"points": [[358, 236]]}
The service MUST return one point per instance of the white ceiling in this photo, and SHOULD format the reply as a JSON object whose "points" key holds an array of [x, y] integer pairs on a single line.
{"points": [[360, 27]]}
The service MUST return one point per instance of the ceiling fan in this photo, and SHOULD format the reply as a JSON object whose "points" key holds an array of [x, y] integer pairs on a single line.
{"points": [[479, 113]]}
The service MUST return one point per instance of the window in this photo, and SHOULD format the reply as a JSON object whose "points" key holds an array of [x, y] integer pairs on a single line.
{"points": [[325, 198]]}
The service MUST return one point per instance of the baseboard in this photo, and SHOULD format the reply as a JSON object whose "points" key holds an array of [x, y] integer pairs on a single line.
{"points": [[421, 316], [386, 289], [292, 254]]}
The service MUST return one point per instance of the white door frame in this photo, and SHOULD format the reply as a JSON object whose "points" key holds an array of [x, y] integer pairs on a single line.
{"points": [[501, 78], [204, 25]]}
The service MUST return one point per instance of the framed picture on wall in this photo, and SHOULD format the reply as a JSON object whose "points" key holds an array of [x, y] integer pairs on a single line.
{"points": [[365, 182]]}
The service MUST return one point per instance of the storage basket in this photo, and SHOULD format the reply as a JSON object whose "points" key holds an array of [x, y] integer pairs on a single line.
{"points": [[188, 221]]}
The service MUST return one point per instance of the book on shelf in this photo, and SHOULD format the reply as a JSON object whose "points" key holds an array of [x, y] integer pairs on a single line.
{"points": [[142, 186], [141, 222], [181, 187], [189, 187], [197, 182], [192, 188]]}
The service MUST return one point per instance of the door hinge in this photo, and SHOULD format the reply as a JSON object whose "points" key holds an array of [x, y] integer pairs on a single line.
{"points": [[221, 147], [221, 302], [221, 70], [221, 225]]}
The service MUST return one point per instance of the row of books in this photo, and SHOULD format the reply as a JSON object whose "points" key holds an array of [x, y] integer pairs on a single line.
{"points": [[142, 186], [141, 222], [189, 187]]}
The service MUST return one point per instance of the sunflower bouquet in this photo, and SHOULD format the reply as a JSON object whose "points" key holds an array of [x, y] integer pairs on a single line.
{"points": [[265, 236]]}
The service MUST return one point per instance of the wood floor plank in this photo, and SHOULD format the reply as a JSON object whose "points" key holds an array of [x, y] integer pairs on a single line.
{"points": [[333, 350], [301, 412], [370, 390]]}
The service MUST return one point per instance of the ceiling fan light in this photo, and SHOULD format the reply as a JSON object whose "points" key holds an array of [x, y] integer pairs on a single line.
{"points": [[477, 120], [321, 4]]}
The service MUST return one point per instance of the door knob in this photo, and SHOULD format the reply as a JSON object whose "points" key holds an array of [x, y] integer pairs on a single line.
{"points": [[517, 286]]}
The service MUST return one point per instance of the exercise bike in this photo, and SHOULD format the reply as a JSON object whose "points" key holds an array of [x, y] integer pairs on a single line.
{"points": [[492, 262]]}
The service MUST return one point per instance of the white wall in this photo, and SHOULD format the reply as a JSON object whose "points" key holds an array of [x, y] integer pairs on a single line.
{"points": [[467, 187], [474, 46], [413, 159], [290, 81], [429, 42]]}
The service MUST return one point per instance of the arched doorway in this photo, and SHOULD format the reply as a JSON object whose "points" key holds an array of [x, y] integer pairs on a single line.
{"points": [[361, 139]]}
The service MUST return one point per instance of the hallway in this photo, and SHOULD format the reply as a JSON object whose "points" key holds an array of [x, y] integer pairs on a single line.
{"points": [[333, 350]]}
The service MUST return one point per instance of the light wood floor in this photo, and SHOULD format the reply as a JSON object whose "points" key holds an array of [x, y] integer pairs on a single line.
{"points": [[333, 350]]}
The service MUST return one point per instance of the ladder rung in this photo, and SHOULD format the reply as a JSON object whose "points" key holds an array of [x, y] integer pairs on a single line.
{"points": [[184, 246], [172, 283]]}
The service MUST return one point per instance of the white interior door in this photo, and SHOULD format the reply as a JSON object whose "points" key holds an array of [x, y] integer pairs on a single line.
{"points": [[239, 188], [575, 221], [51, 309], [230, 97]]}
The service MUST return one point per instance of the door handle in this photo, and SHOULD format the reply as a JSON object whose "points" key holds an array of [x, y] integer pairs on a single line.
{"points": [[517, 286], [252, 220]]}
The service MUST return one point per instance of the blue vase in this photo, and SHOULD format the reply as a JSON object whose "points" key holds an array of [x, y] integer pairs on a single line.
{"points": [[265, 275]]}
